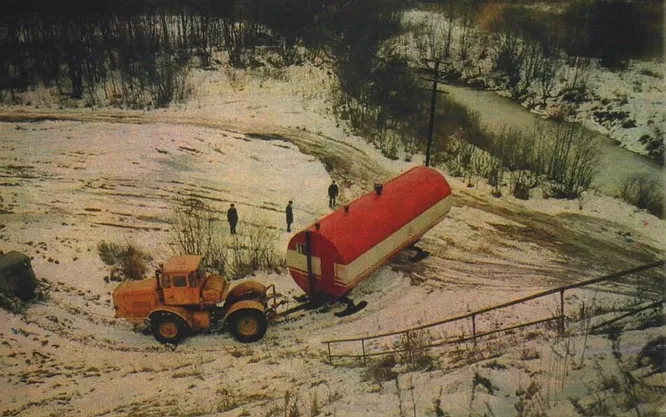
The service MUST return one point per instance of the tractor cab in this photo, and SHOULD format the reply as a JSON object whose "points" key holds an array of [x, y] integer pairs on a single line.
{"points": [[183, 281]]}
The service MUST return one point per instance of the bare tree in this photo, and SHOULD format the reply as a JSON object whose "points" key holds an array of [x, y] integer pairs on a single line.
{"points": [[572, 160], [466, 27], [195, 230], [644, 192]]}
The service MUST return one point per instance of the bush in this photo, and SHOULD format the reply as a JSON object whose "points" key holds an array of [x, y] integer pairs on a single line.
{"points": [[381, 370], [196, 232], [414, 349], [253, 249], [654, 145], [654, 354], [643, 192], [12, 304], [521, 183], [126, 260], [570, 160], [15, 305]]}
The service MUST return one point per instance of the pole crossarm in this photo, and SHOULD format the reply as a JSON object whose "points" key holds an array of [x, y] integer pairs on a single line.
{"points": [[438, 80], [430, 89]]}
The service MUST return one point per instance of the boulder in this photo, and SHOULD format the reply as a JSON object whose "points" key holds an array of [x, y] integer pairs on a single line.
{"points": [[17, 279]]}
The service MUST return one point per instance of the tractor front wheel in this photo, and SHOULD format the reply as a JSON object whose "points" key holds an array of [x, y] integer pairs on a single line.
{"points": [[247, 325], [168, 327]]}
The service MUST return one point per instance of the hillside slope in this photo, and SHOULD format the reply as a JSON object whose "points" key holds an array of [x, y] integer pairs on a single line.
{"points": [[71, 179]]}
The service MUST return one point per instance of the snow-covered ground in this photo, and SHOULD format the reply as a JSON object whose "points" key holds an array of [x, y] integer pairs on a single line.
{"points": [[82, 176]]}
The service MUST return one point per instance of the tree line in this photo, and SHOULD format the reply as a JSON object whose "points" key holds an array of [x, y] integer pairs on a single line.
{"points": [[137, 52]]}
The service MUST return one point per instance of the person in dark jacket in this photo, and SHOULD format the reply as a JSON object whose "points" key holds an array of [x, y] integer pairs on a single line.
{"points": [[290, 216], [232, 217], [332, 193]]}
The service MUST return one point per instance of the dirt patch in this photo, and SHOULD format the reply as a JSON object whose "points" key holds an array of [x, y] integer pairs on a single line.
{"points": [[588, 242]]}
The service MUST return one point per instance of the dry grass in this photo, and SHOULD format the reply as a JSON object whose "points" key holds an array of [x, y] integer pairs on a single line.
{"points": [[380, 370], [126, 261]]}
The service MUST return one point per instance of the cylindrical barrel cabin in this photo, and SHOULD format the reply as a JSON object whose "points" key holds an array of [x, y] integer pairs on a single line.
{"points": [[335, 253]]}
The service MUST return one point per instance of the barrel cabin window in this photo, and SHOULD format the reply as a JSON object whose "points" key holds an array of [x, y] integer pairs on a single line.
{"points": [[340, 272], [300, 248]]}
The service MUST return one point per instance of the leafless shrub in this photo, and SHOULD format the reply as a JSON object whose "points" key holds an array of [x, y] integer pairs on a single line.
{"points": [[576, 76], [654, 354], [643, 192], [291, 406], [563, 155], [521, 184], [529, 354], [495, 178], [12, 304], [430, 42], [169, 77], [314, 405], [572, 159], [437, 404], [381, 370], [414, 351], [195, 231], [238, 34], [254, 248], [126, 260], [228, 398], [458, 156], [193, 226], [531, 402]]}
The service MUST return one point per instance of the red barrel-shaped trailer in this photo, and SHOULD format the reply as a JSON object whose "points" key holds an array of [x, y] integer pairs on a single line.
{"points": [[335, 253]]}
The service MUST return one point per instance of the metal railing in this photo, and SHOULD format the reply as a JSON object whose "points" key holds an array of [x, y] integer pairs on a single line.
{"points": [[406, 333]]}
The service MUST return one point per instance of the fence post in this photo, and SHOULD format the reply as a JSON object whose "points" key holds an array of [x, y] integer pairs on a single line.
{"points": [[363, 349], [474, 329], [561, 312], [330, 359], [409, 348]]}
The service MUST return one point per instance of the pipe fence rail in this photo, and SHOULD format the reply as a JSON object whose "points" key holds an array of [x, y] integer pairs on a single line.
{"points": [[560, 318]]}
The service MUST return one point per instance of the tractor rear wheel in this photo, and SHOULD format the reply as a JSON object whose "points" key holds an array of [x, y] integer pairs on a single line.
{"points": [[247, 325], [168, 327]]}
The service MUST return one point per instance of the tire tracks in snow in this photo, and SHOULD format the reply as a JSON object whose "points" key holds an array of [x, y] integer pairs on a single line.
{"points": [[343, 161]]}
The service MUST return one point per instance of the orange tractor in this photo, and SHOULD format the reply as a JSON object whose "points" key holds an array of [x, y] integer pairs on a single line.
{"points": [[182, 299]]}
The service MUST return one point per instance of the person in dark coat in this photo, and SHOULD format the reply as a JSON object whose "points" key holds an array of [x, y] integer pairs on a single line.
{"points": [[332, 193], [232, 217], [290, 216]]}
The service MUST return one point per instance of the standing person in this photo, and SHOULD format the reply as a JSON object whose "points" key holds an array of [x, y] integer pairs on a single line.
{"points": [[332, 193], [290, 216], [232, 217]]}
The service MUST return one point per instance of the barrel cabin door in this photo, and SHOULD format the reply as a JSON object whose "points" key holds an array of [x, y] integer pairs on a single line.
{"points": [[324, 256], [303, 265]]}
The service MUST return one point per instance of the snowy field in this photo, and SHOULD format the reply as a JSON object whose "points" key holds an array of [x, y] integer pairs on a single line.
{"points": [[84, 176]]}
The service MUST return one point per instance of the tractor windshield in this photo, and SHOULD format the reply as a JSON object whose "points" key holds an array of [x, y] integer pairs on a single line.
{"points": [[179, 281]]}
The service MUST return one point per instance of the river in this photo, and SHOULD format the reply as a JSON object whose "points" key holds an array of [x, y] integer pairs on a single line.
{"points": [[496, 112]]}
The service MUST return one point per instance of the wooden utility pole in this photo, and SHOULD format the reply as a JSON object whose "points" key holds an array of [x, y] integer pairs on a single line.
{"points": [[433, 103]]}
